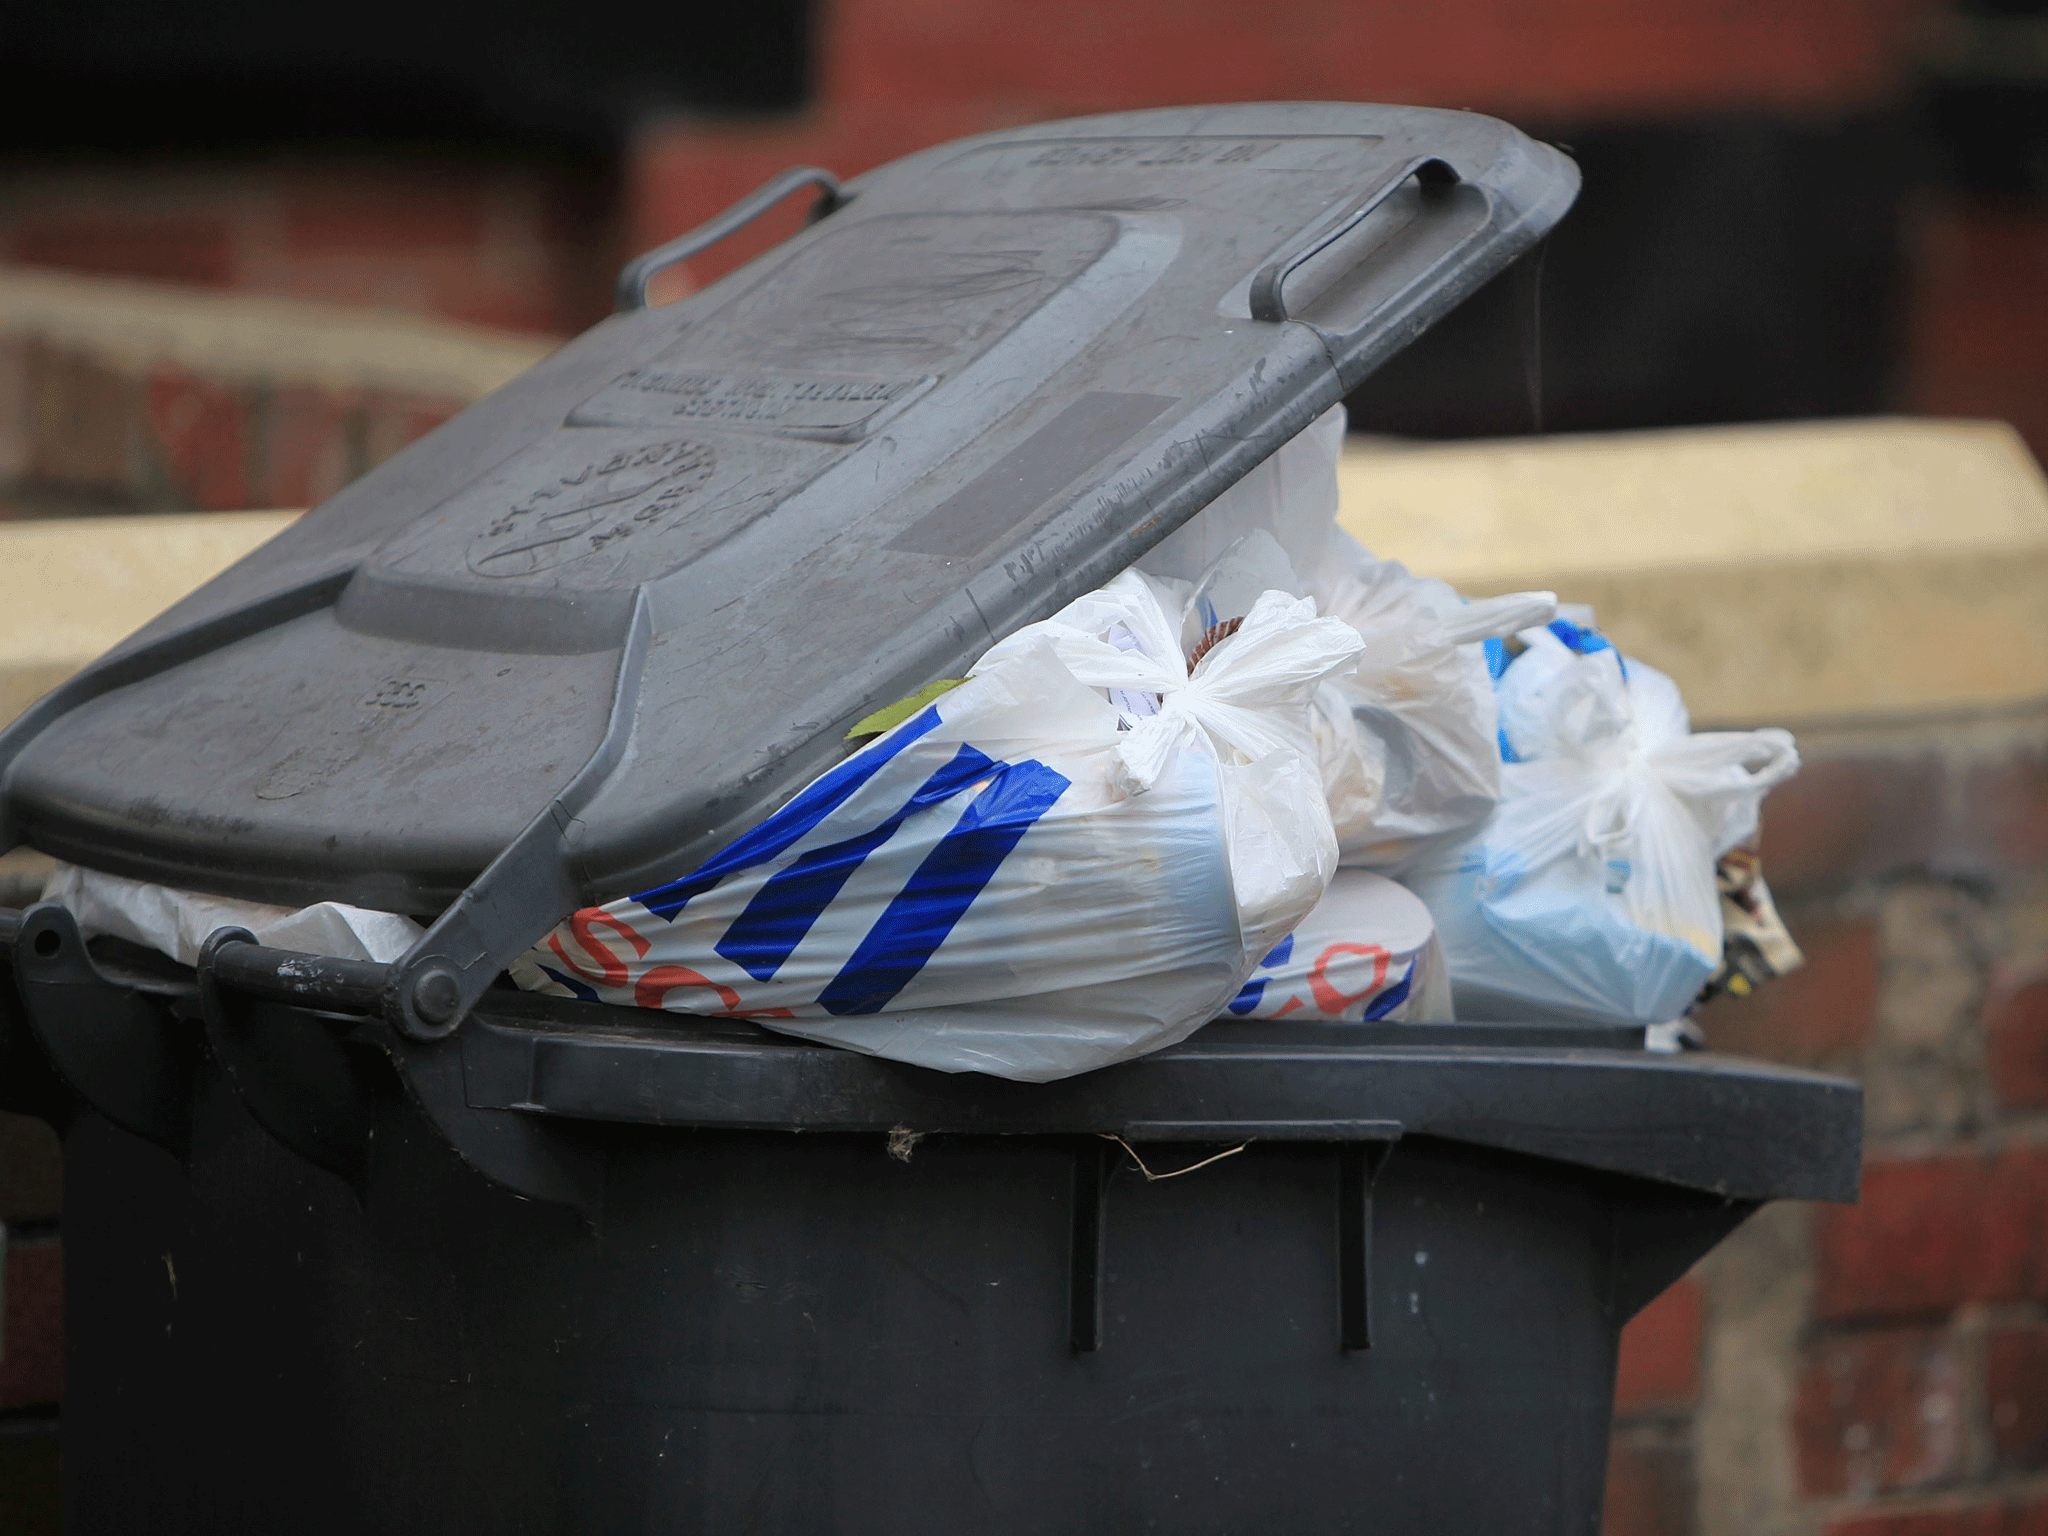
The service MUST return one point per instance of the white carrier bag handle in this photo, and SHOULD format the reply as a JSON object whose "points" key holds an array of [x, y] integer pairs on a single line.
{"points": [[1246, 699]]}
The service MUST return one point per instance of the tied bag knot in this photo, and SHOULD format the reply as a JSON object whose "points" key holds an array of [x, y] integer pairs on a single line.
{"points": [[1247, 696]]}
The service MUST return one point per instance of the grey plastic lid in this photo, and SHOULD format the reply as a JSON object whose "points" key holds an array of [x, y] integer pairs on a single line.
{"points": [[605, 619]]}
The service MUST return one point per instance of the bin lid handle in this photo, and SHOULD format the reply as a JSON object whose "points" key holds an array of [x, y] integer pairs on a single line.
{"points": [[1267, 301], [631, 291]]}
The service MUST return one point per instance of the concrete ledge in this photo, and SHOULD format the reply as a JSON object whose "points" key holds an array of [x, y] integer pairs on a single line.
{"points": [[1806, 572], [72, 587]]}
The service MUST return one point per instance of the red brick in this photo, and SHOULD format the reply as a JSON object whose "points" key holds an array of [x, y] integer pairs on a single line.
{"points": [[1649, 1489], [1878, 1413], [83, 425], [305, 454], [1659, 1365], [32, 1350], [202, 439], [1986, 1518], [2016, 1388], [1979, 315], [2002, 817], [1855, 817], [2016, 1038], [377, 211], [1932, 1233], [1979, 269], [196, 247], [484, 249], [1820, 1011], [1575, 56], [1842, 819], [391, 423]]}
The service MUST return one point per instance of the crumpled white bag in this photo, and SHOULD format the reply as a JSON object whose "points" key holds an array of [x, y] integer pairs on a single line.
{"points": [[1407, 741], [1368, 953], [1409, 737], [1590, 892], [177, 923], [1073, 858]]}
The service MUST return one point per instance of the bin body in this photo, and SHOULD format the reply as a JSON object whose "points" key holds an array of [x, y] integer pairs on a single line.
{"points": [[566, 1272], [801, 1333]]}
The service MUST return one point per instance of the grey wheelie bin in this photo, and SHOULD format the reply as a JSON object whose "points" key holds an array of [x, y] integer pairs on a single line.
{"points": [[357, 1247]]}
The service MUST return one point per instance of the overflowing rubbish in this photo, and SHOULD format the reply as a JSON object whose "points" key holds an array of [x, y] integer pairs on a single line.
{"points": [[1259, 775], [1074, 857], [1757, 947], [1590, 892], [1409, 735]]}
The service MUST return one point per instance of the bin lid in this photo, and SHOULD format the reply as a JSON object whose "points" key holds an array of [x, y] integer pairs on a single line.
{"points": [[605, 619]]}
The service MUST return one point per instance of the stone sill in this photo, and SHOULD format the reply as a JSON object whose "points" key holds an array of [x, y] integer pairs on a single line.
{"points": [[1835, 573], [1802, 573]]}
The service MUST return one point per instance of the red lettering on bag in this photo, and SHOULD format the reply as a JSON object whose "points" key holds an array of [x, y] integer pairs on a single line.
{"points": [[1328, 998], [575, 967], [611, 969]]}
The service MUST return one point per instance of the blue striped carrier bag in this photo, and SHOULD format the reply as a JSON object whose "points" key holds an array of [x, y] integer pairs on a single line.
{"points": [[1078, 855]]}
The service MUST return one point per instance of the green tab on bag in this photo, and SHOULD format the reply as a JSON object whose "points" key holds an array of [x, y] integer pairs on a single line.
{"points": [[903, 709]]}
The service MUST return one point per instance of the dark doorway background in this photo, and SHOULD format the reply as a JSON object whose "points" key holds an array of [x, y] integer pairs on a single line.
{"points": [[1730, 269], [180, 76]]}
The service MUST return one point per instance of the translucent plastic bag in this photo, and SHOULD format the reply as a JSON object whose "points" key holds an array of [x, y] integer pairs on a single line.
{"points": [[176, 923], [1409, 737], [1291, 496], [1074, 857], [1590, 892], [1368, 953]]}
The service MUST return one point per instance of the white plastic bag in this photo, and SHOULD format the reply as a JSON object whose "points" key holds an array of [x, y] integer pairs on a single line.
{"points": [[1407, 740], [1409, 736], [1590, 892], [1025, 878], [176, 923], [1367, 953], [1291, 495]]}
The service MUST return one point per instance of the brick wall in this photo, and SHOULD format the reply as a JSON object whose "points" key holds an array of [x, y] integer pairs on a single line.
{"points": [[520, 246], [119, 394], [166, 439], [897, 75], [524, 249], [1979, 320], [1882, 1369]]}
